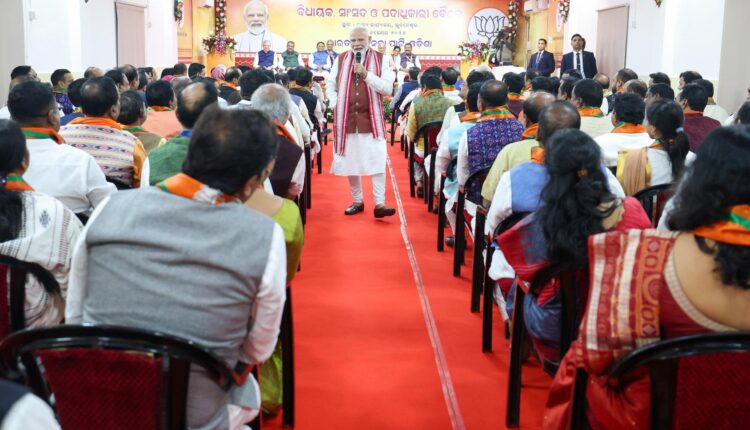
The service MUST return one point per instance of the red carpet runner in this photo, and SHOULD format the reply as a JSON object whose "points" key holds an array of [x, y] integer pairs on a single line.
{"points": [[383, 333]]}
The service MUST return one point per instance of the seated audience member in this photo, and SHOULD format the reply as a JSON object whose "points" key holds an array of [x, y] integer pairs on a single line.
{"points": [[712, 109], [495, 129], [514, 82], [162, 119], [56, 169], [697, 126], [131, 73], [518, 152], [61, 80], [607, 102], [618, 87], [733, 118], [288, 176], [120, 79], [119, 153], [5, 111], [143, 81], [428, 108], [132, 116], [629, 132], [659, 92], [93, 72], [167, 74], [687, 78], [571, 73], [230, 83], [219, 72], [303, 90], [528, 76], [575, 203], [743, 115], [196, 70], [167, 159], [409, 85], [34, 228], [696, 283], [179, 70], [454, 113], [74, 95], [24, 71], [449, 76], [448, 151], [664, 160], [179, 83], [587, 96], [24, 410], [542, 83], [236, 296], [659, 78], [636, 86], [434, 71], [565, 92], [555, 82]]}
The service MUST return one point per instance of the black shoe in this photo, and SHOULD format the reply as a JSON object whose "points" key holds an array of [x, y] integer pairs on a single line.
{"points": [[420, 192], [450, 241], [383, 211], [355, 208]]}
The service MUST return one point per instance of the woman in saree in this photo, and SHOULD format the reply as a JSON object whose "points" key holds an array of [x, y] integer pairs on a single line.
{"points": [[650, 285]]}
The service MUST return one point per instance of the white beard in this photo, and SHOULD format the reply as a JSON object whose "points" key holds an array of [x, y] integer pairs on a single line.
{"points": [[256, 31]]}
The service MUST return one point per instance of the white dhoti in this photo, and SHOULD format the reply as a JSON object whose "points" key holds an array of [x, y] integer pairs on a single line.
{"points": [[363, 156]]}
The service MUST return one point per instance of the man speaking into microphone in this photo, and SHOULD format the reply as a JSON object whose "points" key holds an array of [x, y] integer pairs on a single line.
{"points": [[358, 81]]}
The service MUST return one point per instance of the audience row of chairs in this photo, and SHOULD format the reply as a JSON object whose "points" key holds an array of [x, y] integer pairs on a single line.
{"points": [[675, 365]]}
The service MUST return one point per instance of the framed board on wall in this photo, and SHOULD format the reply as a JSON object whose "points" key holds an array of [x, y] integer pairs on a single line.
{"points": [[185, 33]]}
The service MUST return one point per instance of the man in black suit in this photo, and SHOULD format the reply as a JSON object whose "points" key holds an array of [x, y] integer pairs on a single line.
{"points": [[542, 61], [583, 61]]}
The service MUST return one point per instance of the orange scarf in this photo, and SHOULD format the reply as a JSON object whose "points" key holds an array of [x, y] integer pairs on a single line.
{"points": [[514, 96], [733, 228], [229, 84], [711, 101], [427, 93], [93, 120], [693, 112], [537, 155], [16, 183], [184, 186], [590, 111], [281, 131], [471, 117], [530, 132], [42, 133], [159, 109], [449, 88], [501, 112], [625, 127]]}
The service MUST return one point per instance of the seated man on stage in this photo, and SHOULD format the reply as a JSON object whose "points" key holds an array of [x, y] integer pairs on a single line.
{"points": [[266, 58], [408, 60], [320, 61], [290, 58]]}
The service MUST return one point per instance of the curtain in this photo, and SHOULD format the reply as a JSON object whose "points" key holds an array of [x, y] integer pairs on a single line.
{"points": [[611, 44], [131, 34]]}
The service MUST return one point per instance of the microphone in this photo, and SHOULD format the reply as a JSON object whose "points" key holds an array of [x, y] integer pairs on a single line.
{"points": [[357, 60]]}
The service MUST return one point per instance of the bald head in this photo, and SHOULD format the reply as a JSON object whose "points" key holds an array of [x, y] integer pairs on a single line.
{"points": [[193, 100], [273, 100], [493, 94], [603, 80], [93, 72], [533, 106], [636, 86], [559, 115]]}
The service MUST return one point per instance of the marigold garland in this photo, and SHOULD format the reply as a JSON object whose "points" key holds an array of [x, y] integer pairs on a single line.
{"points": [[219, 42], [564, 9]]}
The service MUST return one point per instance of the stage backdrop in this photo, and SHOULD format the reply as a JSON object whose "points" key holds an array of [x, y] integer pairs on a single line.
{"points": [[434, 27]]}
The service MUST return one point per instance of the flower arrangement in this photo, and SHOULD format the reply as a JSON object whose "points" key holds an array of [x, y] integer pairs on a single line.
{"points": [[513, 18], [470, 51], [564, 9], [179, 7], [219, 42]]}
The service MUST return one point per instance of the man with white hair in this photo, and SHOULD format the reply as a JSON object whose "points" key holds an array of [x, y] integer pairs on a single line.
{"points": [[256, 18], [358, 81], [288, 175]]}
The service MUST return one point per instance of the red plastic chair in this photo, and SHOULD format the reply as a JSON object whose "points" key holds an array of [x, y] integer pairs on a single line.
{"points": [[112, 377]]}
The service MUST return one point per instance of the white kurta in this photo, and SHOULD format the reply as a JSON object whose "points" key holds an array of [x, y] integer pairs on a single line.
{"points": [[364, 155]]}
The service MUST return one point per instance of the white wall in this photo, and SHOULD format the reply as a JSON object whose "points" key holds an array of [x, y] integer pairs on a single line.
{"points": [[662, 39], [12, 52], [734, 77]]}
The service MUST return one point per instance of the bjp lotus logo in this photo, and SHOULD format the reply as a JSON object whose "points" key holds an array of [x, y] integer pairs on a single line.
{"points": [[485, 24]]}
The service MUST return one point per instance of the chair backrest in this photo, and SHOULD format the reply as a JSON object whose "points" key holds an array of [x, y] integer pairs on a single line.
{"points": [[429, 133], [696, 381], [653, 200], [473, 185], [135, 378], [13, 274], [118, 183]]}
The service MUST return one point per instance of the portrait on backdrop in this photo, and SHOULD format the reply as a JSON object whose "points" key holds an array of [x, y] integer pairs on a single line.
{"points": [[255, 15]]}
